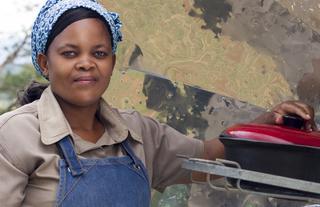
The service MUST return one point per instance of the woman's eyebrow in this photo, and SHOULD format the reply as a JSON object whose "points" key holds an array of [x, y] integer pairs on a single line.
{"points": [[67, 46], [76, 47], [100, 46]]}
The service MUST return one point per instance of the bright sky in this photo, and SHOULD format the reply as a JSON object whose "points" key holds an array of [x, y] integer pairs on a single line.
{"points": [[16, 15]]}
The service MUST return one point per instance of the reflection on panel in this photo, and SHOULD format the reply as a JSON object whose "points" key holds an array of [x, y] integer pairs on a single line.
{"points": [[190, 110], [258, 51], [193, 111]]}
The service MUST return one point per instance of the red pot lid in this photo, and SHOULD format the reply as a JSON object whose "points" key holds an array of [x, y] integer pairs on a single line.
{"points": [[273, 134]]}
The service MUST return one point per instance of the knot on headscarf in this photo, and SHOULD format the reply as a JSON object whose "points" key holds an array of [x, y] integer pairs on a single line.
{"points": [[54, 9]]}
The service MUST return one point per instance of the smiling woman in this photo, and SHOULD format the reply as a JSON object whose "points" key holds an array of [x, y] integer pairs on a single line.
{"points": [[79, 58]]}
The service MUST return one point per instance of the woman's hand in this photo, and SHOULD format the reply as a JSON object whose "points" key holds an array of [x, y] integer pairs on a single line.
{"points": [[275, 115]]}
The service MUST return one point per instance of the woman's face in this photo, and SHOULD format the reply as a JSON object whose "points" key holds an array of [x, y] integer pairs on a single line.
{"points": [[79, 62]]}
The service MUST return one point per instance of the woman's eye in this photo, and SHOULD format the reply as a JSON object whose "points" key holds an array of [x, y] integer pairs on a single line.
{"points": [[69, 54], [100, 54]]}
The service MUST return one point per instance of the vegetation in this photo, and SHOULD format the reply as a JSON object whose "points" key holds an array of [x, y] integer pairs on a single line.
{"points": [[12, 82]]}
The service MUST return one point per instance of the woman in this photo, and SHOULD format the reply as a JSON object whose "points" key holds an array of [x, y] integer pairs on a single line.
{"points": [[70, 148]]}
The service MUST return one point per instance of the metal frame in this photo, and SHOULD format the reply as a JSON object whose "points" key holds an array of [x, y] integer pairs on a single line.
{"points": [[231, 169]]}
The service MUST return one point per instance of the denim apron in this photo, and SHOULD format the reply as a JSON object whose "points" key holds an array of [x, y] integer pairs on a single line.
{"points": [[108, 182]]}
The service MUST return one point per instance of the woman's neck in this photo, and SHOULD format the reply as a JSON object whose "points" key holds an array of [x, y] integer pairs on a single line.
{"points": [[83, 120]]}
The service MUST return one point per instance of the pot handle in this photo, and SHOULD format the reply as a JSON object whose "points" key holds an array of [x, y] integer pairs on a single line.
{"points": [[293, 121]]}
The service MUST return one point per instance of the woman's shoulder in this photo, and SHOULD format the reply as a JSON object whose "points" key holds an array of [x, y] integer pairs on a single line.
{"points": [[128, 113], [133, 117], [20, 137], [20, 117], [139, 122]]}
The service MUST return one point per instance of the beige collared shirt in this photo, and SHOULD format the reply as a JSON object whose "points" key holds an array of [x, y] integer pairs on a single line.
{"points": [[29, 173]]}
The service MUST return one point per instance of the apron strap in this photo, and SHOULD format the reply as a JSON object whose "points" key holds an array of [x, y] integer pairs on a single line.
{"points": [[137, 162], [66, 148], [126, 146]]}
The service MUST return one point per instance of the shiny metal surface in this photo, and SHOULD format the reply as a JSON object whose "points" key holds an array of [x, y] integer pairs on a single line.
{"points": [[231, 169], [246, 55]]}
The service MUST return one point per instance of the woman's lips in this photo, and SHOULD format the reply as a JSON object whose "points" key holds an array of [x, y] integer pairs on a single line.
{"points": [[84, 80]]}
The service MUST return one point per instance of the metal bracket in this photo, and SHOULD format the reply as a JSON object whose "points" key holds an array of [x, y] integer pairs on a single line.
{"points": [[230, 169]]}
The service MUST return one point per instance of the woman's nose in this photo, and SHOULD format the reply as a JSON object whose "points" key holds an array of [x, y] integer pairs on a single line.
{"points": [[85, 63]]}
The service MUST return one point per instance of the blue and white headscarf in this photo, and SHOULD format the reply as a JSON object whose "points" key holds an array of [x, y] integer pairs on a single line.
{"points": [[49, 15]]}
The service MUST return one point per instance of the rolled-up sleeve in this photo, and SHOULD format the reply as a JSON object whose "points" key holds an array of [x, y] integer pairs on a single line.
{"points": [[12, 181], [170, 143], [161, 145]]}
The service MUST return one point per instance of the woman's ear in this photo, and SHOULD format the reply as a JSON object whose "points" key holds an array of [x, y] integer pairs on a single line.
{"points": [[43, 63]]}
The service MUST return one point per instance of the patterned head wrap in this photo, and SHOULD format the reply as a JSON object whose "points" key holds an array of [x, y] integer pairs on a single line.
{"points": [[50, 13]]}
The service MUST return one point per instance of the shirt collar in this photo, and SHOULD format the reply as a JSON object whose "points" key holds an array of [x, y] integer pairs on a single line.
{"points": [[54, 126]]}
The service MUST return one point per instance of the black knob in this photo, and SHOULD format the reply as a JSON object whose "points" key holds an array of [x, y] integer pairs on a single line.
{"points": [[293, 121]]}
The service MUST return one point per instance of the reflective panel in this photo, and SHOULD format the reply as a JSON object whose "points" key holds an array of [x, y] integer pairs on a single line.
{"points": [[206, 64], [258, 51], [193, 111]]}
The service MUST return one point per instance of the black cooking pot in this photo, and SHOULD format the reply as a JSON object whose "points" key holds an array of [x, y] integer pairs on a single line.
{"points": [[277, 150]]}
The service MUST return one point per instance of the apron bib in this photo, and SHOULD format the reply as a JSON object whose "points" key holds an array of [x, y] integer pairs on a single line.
{"points": [[107, 182]]}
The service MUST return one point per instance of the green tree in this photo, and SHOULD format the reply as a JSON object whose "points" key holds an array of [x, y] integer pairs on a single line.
{"points": [[13, 82]]}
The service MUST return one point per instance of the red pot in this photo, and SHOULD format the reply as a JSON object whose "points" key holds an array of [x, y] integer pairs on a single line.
{"points": [[276, 150]]}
